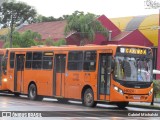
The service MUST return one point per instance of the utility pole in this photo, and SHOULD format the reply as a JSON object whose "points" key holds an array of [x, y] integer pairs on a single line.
{"points": [[11, 26]]}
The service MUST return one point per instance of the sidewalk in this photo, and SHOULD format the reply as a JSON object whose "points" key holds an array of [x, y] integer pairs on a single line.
{"points": [[156, 104], [157, 100]]}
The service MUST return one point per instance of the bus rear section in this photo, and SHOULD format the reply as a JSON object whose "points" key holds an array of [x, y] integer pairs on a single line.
{"points": [[3, 70]]}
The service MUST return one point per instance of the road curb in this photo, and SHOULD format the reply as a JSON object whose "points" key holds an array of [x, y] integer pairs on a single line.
{"points": [[145, 106]]}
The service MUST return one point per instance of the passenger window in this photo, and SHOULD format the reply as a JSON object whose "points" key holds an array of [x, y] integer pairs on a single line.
{"points": [[90, 60], [29, 60], [37, 60], [37, 55], [75, 60], [47, 60], [12, 55]]}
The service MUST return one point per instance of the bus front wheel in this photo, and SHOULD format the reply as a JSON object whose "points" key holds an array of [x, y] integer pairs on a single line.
{"points": [[88, 99], [122, 105], [32, 93]]}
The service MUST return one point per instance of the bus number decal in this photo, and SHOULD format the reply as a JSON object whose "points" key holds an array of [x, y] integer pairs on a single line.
{"points": [[128, 90]]}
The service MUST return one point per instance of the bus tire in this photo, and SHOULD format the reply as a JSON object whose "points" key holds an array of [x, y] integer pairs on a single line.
{"points": [[88, 98], [122, 105], [32, 92]]}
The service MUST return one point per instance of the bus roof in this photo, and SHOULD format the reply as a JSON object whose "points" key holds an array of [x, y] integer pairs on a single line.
{"points": [[74, 47]]}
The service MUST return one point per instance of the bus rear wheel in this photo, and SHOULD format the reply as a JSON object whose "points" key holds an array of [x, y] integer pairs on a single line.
{"points": [[88, 98], [32, 92], [122, 105]]}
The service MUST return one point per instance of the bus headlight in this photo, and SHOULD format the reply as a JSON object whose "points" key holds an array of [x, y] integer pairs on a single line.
{"points": [[150, 92], [118, 90], [5, 79]]}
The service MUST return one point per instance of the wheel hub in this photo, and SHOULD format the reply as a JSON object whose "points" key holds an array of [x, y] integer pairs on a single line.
{"points": [[32, 92], [89, 98]]}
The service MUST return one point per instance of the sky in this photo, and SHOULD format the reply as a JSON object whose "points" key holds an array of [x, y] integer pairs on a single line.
{"points": [[109, 8]]}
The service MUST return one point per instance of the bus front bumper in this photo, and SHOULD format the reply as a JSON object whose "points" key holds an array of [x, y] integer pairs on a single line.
{"points": [[131, 98]]}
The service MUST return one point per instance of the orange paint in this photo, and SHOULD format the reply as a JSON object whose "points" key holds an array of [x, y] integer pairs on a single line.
{"points": [[57, 74]]}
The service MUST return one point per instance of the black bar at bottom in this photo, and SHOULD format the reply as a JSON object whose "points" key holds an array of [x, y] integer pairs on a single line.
{"points": [[79, 114]]}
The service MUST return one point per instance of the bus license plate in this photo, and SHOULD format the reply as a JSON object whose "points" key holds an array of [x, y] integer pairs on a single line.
{"points": [[137, 97]]}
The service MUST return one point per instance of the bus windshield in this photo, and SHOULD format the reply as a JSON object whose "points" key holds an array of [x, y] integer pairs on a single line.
{"points": [[133, 69]]}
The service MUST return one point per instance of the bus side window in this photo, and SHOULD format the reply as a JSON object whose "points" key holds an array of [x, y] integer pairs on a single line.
{"points": [[29, 60], [37, 60], [47, 60], [90, 60], [75, 59]]}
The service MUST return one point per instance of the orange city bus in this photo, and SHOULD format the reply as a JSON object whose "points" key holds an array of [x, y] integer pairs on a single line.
{"points": [[93, 73]]}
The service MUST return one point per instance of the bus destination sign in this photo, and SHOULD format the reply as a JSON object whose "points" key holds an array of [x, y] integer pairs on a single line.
{"points": [[138, 51]]}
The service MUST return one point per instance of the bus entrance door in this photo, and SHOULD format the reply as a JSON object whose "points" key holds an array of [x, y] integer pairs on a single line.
{"points": [[104, 76], [19, 70], [59, 74]]}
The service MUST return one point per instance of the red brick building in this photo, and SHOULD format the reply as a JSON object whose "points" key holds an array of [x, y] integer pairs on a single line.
{"points": [[53, 30], [134, 37]]}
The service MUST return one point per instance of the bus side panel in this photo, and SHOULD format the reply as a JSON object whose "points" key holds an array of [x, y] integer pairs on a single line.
{"points": [[42, 79], [10, 76], [73, 84], [90, 78], [76, 81]]}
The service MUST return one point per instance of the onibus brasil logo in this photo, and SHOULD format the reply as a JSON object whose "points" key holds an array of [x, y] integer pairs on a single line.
{"points": [[152, 4]]}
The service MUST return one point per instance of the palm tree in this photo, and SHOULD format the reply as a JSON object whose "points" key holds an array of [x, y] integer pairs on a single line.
{"points": [[86, 25]]}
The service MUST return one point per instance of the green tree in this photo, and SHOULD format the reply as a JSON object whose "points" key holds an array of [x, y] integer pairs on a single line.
{"points": [[60, 42], [16, 13], [156, 87], [41, 18], [86, 25], [156, 90], [49, 42], [39, 42], [30, 38], [25, 39]]}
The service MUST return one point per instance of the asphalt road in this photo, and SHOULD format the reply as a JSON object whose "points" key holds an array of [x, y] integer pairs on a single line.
{"points": [[21, 107]]}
